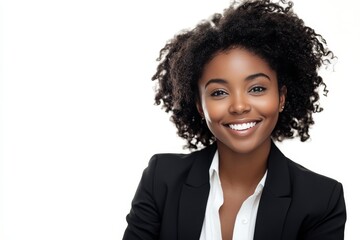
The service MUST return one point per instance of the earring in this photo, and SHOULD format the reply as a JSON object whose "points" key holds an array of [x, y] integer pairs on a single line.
{"points": [[282, 108]]}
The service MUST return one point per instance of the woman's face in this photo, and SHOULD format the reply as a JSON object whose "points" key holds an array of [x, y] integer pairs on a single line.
{"points": [[240, 100]]}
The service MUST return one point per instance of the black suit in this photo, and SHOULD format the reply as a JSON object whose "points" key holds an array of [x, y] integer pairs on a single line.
{"points": [[296, 203]]}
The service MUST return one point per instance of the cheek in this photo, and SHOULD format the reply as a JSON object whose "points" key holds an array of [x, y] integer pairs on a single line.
{"points": [[214, 110], [267, 106]]}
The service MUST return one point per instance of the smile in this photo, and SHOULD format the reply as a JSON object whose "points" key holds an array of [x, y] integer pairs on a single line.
{"points": [[242, 126]]}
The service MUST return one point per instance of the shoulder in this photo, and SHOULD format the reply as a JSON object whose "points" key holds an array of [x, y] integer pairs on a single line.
{"points": [[168, 167], [317, 203], [310, 180], [316, 193], [172, 161]]}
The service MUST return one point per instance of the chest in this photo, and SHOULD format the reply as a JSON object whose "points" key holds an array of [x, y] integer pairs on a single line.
{"points": [[233, 209], [230, 215]]}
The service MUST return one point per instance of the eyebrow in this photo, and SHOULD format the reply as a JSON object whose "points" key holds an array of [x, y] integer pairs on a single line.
{"points": [[216, 80], [248, 78], [256, 75]]}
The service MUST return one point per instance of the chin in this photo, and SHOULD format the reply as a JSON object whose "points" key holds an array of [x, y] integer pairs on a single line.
{"points": [[245, 147]]}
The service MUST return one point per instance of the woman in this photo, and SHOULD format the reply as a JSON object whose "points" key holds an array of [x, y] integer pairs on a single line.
{"points": [[234, 84]]}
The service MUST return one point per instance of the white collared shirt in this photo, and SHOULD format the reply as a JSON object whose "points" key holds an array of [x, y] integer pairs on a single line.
{"points": [[246, 217]]}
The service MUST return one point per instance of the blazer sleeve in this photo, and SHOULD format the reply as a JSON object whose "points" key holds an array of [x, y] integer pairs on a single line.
{"points": [[143, 219], [332, 224]]}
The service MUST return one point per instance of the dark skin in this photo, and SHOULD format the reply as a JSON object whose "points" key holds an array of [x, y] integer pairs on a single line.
{"points": [[240, 101], [238, 180]]}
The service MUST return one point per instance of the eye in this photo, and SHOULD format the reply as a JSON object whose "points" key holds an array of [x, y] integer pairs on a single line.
{"points": [[218, 93], [257, 89]]}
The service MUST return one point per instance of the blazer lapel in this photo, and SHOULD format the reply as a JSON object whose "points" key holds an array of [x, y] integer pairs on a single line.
{"points": [[275, 199], [194, 196]]}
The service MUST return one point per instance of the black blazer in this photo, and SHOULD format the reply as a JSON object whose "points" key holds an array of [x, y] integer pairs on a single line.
{"points": [[296, 203]]}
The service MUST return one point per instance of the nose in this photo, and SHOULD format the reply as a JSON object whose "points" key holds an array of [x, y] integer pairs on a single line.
{"points": [[239, 104]]}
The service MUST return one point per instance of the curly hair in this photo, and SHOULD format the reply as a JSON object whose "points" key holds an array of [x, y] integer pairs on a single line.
{"points": [[271, 31]]}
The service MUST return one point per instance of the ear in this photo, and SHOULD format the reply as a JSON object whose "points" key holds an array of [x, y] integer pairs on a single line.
{"points": [[199, 107], [282, 98]]}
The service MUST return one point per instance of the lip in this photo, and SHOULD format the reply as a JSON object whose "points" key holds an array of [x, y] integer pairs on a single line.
{"points": [[243, 132]]}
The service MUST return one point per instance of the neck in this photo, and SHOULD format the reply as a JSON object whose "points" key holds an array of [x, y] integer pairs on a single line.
{"points": [[243, 169]]}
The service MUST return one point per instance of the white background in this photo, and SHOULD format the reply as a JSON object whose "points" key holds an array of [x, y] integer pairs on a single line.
{"points": [[78, 120]]}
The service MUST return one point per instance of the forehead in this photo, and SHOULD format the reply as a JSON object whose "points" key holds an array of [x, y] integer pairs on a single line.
{"points": [[236, 61]]}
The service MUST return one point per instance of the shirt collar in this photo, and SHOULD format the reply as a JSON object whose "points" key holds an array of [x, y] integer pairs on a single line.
{"points": [[261, 184], [214, 167]]}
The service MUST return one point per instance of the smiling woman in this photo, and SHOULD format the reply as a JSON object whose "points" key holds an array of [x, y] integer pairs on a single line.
{"points": [[79, 124], [234, 84], [240, 101]]}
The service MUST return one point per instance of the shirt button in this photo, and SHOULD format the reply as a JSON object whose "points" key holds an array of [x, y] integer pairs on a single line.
{"points": [[244, 221]]}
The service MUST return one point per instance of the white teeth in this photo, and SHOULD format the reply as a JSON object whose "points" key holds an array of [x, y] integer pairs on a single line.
{"points": [[242, 126]]}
